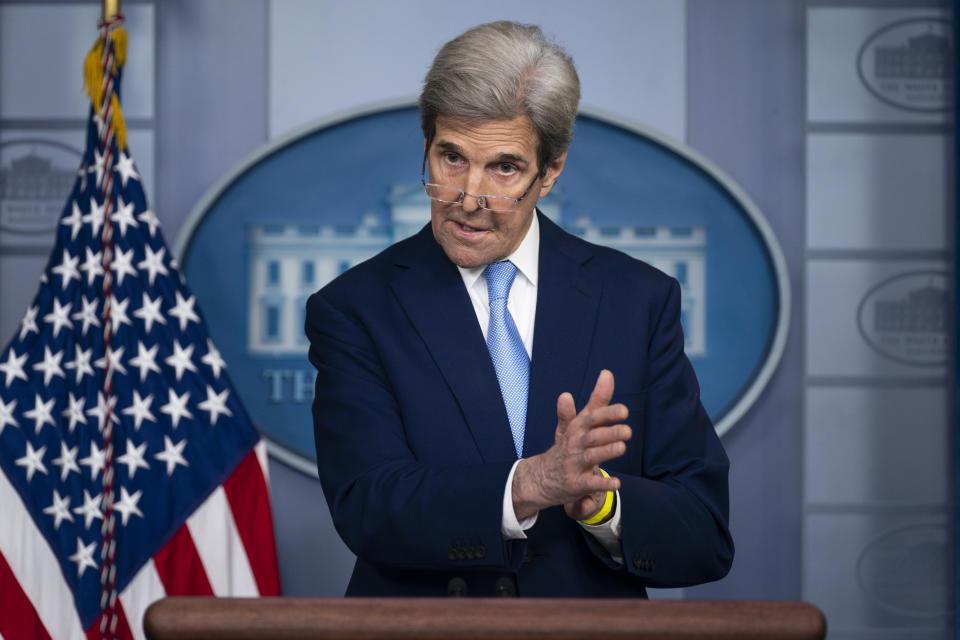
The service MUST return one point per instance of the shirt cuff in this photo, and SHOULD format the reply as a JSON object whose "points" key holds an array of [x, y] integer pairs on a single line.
{"points": [[509, 526], [608, 533]]}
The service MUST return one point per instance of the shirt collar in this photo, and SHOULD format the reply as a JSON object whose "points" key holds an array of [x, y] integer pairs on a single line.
{"points": [[526, 257]]}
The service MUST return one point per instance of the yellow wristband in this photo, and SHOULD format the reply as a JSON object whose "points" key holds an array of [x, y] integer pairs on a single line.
{"points": [[605, 509]]}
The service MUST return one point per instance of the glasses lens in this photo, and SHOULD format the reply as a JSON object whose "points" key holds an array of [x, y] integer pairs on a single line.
{"points": [[500, 204], [443, 194]]}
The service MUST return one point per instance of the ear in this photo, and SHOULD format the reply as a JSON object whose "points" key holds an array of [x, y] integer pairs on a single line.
{"points": [[554, 169]]}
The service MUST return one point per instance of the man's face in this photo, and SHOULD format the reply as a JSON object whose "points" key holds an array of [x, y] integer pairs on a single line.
{"points": [[498, 157]]}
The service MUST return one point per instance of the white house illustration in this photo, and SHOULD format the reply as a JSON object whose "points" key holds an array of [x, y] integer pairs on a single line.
{"points": [[288, 262]]}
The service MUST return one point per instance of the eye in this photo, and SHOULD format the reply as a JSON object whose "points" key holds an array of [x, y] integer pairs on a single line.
{"points": [[507, 168], [451, 158]]}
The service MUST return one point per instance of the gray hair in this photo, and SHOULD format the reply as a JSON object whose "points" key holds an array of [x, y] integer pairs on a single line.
{"points": [[500, 71]]}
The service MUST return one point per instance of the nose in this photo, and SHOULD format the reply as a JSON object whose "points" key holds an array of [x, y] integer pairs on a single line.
{"points": [[471, 202]]}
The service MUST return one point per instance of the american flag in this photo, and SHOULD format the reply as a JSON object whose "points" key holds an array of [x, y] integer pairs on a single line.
{"points": [[130, 470]]}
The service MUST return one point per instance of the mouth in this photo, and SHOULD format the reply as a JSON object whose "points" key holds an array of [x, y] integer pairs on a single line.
{"points": [[465, 228]]}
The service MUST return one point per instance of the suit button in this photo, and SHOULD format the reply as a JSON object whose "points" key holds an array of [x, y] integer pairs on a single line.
{"points": [[482, 551], [505, 587], [457, 587]]}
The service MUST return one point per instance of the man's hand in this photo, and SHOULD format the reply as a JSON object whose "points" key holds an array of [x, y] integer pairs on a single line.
{"points": [[568, 472]]}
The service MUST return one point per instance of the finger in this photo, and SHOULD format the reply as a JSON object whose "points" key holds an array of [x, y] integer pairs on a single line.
{"points": [[598, 455], [590, 484], [566, 412], [602, 391], [605, 435], [602, 416]]}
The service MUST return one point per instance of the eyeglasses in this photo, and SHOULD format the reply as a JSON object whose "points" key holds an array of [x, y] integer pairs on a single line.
{"points": [[452, 195]]}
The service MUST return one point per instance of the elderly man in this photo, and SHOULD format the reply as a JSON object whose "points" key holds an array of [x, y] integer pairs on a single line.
{"points": [[451, 367]]}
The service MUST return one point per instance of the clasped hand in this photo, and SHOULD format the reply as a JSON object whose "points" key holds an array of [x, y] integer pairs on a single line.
{"points": [[568, 473]]}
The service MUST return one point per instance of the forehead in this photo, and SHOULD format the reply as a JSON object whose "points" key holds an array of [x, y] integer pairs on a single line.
{"points": [[513, 137]]}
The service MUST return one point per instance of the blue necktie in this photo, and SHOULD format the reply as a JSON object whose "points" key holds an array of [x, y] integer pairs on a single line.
{"points": [[506, 349]]}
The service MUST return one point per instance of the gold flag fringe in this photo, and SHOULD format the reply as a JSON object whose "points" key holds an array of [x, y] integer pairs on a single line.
{"points": [[93, 80]]}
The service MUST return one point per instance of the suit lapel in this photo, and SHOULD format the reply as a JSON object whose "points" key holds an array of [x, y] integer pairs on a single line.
{"points": [[431, 291], [563, 330]]}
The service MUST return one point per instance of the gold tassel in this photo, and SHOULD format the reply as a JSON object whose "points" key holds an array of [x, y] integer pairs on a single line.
{"points": [[93, 79]]}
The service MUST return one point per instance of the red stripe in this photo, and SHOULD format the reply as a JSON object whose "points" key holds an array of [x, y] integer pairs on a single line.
{"points": [[18, 618], [180, 568], [249, 500], [122, 631]]}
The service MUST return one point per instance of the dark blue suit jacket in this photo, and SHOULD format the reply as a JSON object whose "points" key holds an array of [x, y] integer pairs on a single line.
{"points": [[414, 445]]}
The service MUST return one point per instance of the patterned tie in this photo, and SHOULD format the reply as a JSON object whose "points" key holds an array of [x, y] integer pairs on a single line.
{"points": [[506, 349]]}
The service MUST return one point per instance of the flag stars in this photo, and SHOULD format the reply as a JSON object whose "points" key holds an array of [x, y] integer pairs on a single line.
{"points": [[84, 556], [60, 509], [92, 265], [50, 366], [149, 311], [74, 410], [118, 313], [67, 269], [90, 509], [124, 167], [153, 263], [95, 461], [95, 217], [6, 414], [67, 461], [29, 323], [213, 360], [121, 265], [115, 358], [133, 458], [183, 311], [127, 505], [145, 360], [123, 216], [13, 367], [41, 413], [140, 410], [104, 406], [74, 220], [81, 362], [215, 404], [176, 407], [172, 454], [181, 360], [150, 219], [99, 166], [59, 317], [32, 461]]}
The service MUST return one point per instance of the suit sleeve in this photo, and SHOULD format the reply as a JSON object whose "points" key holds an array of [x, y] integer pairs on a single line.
{"points": [[391, 509], [674, 516]]}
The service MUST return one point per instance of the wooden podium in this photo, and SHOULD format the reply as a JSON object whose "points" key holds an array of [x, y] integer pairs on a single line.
{"points": [[486, 618]]}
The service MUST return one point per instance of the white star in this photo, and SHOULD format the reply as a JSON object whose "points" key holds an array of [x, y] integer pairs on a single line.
{"points": [[123, 216], [140, 410], [59, 317], [13, 367], [95, 460], [213, 359], [74, 412], [184, 311], [176, 407], [118, 312], [50, 365], [92, 265], [153, 263], [75, 220], [90, 508], [29, 323], [149, 311], [81, 362], [33, 461], [133, 458], [95, 217], [116, 361], [6, 414], [67, 461], [149, 218], [41, 413], [60, 510], [216, 403], [84, 556], [128, 504], [100, 411], [181, 359], [172, 454], [67, 269], [124, 166], [145, 360], [121, 265], [88, 315], [99, 165]]}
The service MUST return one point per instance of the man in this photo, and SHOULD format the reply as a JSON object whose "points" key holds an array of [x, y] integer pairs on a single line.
{"points": [[450, 370]]}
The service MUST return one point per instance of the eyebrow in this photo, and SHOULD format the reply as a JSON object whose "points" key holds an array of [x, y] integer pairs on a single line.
{"points": [[446, 145]]}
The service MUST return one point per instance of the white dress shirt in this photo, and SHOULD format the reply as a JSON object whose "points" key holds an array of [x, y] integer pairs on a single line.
{"points": [[522, 305]]}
